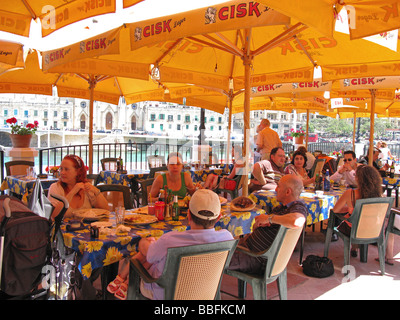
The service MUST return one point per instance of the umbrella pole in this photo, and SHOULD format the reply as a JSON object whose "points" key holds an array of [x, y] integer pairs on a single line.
{"points": [[92, 84], [228, 147], [354, 132], [308, 122], [372, 124], [246, 120]]}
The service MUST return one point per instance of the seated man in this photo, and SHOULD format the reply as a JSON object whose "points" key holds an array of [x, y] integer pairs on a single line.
{"points": [[375, 156], [348, 170], [204, 212], [291, 213], [266, 173]]}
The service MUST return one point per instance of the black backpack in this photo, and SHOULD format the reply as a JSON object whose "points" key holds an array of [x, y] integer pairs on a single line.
{"points": [[318, 267], [26, 248]]}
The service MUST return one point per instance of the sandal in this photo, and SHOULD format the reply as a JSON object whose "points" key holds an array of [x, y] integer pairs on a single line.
{"points": [[386, 261], [122, 292], [114, 285]]}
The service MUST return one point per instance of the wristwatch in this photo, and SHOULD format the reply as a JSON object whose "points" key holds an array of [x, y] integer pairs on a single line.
{"points": [[270, 218]]}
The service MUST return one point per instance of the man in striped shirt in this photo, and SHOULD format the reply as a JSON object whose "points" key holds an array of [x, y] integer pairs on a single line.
{"points": [[291, 213]]}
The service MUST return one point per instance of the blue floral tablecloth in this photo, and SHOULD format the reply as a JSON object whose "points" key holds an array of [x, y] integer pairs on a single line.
{"points": [[110, 248], [22, 185], [200, 175], [126, 179], [395, 182], [318, 208]]}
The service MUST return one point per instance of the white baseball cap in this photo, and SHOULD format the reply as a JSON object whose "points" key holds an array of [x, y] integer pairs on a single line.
{"points": [[204, 199]]}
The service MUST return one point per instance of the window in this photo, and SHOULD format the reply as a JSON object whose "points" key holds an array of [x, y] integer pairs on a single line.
{"points": [[45, 114], [195, 127], [196, 118], [170, 117], [212, 128], [187, 127], [161, 127], [220, 128], [152, 125], [179, 117], [55, 113], [212, 119], [219, 119], [162, 116], [187, 118], [35, 113], [178, 127], [65, 116], [152, 117], [15, 112], [6, 113], [65, 123], [26, 113]]}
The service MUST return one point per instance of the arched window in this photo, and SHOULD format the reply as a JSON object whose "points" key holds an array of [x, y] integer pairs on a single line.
{"points": [[109, 119], [83, 121], [133, 123]]}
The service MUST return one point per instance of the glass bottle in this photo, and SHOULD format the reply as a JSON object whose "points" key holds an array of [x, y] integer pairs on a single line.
{"points": [[175, 209]]}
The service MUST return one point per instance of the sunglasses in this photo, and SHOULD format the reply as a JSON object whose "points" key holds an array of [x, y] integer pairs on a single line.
{"points": [[346, 160]]}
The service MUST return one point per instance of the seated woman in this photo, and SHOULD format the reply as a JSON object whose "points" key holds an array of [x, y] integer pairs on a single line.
{"points": [[74, 186], [177, 181], [298, 167], [369, 184], [213, 181]]}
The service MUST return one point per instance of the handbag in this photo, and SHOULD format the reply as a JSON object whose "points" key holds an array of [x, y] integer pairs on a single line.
{"points": [[230, 184], [318, 267]]}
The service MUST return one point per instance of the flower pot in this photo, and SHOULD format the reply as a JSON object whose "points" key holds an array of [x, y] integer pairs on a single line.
{"points": [[21, 141], [299, 140]]}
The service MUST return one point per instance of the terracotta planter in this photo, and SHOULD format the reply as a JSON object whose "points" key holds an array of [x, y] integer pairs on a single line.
{"points": [[21, 141], [299, 140]]}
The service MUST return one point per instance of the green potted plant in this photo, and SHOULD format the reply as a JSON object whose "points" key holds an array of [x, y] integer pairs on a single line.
{"points": [[298, 135], [21, 134]]}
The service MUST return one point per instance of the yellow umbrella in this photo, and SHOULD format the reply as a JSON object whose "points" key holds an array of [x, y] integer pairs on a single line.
{"points": [[11, 55], [366, 17], [232, 45], [16, 15]]}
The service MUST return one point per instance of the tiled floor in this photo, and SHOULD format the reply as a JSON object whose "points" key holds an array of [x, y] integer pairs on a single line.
{"points": [[367, 281]]}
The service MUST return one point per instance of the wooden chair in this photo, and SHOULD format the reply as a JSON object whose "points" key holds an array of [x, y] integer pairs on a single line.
{"points": [[190, 272], [145, 190], [317, 167], [155, 161], [18, 167], [156, 169], [277, 258], [367, 222], [116, 195], [109, 164], [93, 178]]}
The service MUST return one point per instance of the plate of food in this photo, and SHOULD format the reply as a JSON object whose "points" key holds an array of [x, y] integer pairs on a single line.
{"points": [[140, 219], [92, 214], [242, 204], [142, 210]]}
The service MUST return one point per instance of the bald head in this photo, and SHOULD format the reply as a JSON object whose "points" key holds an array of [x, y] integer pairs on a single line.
{"points": [[293, 182]]}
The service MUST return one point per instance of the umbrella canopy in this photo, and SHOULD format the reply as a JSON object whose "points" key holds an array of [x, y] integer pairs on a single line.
{"points": [[233, 46], [16, 15], [366, 17], [11, 55]]}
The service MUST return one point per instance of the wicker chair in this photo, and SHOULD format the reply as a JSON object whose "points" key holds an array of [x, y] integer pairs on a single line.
{"points": [[190, 272]]}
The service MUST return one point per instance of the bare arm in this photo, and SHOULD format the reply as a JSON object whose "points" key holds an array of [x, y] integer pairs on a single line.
{"points": [[189, 183], [344, 202], [156, 186], [290, 220]]}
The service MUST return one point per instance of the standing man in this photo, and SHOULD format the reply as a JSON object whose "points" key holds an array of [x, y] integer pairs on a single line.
{"points": [[267, 139]]}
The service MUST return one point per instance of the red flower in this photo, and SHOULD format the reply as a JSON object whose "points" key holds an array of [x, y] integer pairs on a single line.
{"points": [[11, 120]]}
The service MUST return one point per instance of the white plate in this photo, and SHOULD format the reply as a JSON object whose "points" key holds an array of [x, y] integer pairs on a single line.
{"points": [[99, 224]]}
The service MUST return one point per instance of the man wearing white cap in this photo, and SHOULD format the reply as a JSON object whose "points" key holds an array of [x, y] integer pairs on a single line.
{"points": [[204, 212]]}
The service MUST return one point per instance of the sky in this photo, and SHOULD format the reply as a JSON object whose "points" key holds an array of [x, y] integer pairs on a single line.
{"points": [[144, 10]]}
